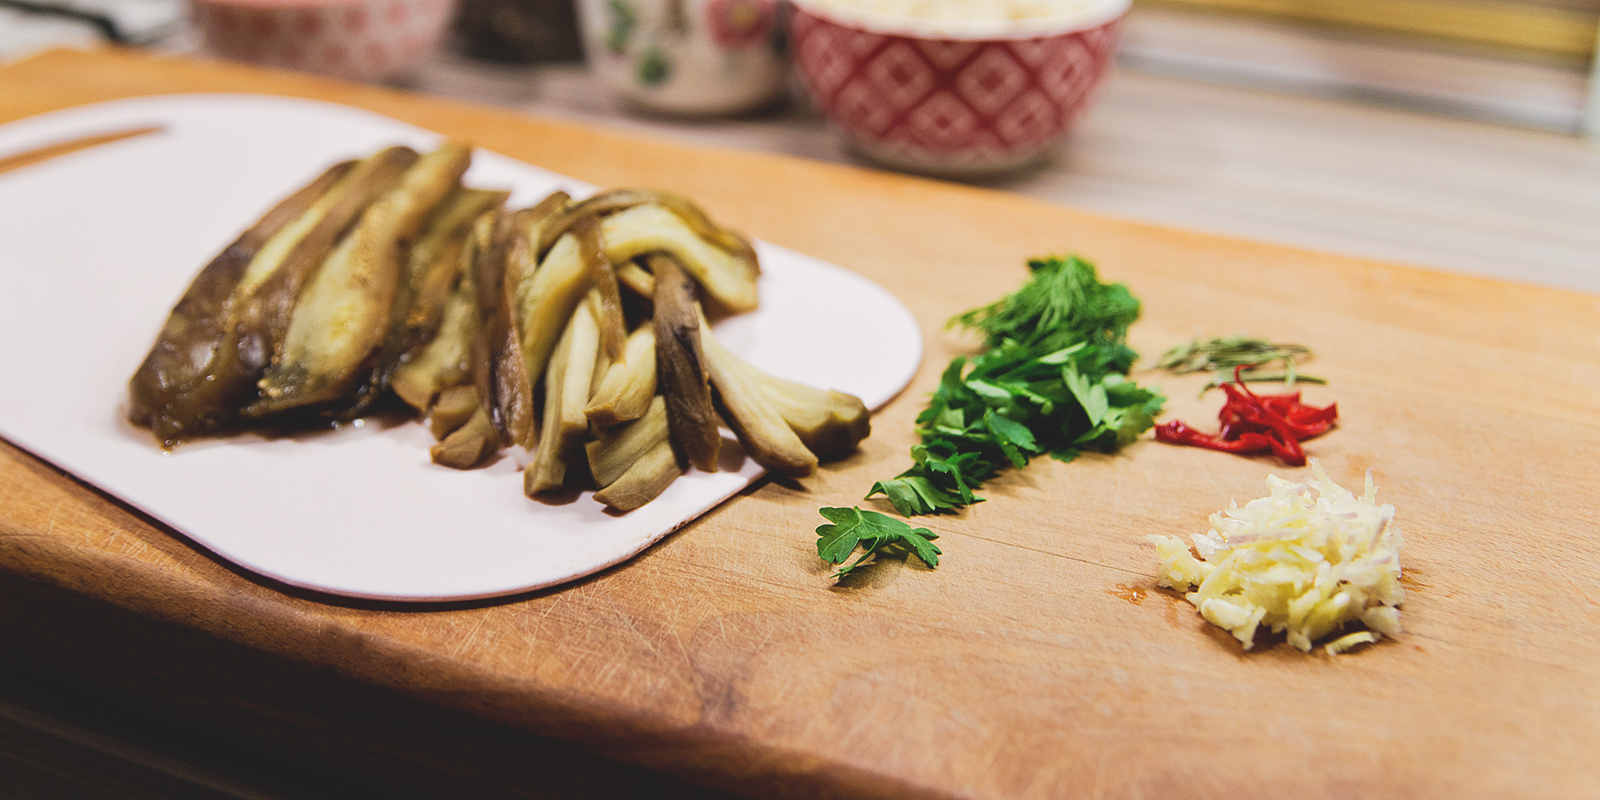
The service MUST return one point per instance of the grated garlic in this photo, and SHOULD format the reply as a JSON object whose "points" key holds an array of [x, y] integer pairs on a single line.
{"points": [[1298, 565]]}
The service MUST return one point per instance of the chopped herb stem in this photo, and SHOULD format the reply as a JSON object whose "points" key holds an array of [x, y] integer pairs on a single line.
{"points": [[1222, 355]]}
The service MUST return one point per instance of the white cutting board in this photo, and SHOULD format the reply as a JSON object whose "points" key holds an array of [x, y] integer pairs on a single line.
{"points": [[96, 246]]}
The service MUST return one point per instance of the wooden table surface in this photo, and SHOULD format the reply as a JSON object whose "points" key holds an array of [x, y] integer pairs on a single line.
{"points": [[1027, 665]]}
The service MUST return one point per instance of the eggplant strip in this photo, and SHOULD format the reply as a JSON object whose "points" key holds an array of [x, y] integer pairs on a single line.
{"points": [[506, 265], [681, 375], [513, 385], [454, 407], [187, 347], [446, 360], [576, 379], [469, 445], [645, 480], [613, 453], [647, 228], [829, 423], [431, 272], [755, 419], [613, 328], [277, 284], [520, 266], [567, 379], [628, 384], [602, 361], [623, 199], [546, 301], [498, 386], [435, 264], [638, 279], [340, 321]]}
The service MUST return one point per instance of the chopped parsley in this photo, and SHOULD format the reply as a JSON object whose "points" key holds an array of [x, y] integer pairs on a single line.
{"points": [[874, 533], [1050, 379]]}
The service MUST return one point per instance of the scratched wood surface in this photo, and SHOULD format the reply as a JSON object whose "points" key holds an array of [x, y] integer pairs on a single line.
{"points": [[1038, 660]]}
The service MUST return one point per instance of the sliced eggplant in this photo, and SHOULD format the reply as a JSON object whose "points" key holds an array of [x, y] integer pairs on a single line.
{"points": [[435, 264], [622, 199], [546, 301], [188, 347], [613, 325], [829, 423], [388, 274], [260, 302], [752, 414], [513, 385], [276, 287], [568, 376], [497, 372], [614, 452], [628, 384], [339, 324], [504, 263], [584, 361], [432, 270], [681, 375], [638, 279], [728, 279], [454, 407], [645, 480], [469, 445], [446, 359]]}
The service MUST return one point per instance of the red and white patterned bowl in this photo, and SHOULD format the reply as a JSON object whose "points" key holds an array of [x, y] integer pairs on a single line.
{"points": [[953, 100], [362, 40]]}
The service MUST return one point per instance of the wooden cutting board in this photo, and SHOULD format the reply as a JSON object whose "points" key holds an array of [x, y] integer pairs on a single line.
{"points": [[1039, 660]]}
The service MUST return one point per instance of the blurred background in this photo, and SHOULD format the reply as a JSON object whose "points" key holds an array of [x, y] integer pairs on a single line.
{"points": [[1452, 134], [1527, 63], [1518, 62]]}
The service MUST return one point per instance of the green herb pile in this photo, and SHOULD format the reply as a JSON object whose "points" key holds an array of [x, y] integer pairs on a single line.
{"points": [[1049, 379]]}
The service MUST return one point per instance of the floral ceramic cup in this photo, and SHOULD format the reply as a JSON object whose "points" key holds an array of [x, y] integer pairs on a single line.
{"points": [[692, 57]]}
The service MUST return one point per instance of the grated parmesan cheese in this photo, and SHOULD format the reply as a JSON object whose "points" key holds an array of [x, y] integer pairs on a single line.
{"points": [[1297, 564]]}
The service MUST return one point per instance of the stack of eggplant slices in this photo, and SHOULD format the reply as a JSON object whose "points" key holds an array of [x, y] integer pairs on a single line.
{"points": [[575, 330]]}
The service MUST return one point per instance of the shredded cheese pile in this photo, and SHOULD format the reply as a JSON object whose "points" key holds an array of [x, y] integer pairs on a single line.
{"points": [[1294, 563]]}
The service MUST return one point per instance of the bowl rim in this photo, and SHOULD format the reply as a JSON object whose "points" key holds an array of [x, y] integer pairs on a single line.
{"points": [[1102, 12]]}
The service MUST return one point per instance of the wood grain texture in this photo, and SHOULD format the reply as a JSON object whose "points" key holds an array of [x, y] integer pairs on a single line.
{"points": [[1017, 669]]}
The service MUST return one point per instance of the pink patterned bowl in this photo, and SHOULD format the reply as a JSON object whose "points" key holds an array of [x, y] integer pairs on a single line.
{"points": [[953, 99], [362, 40]]}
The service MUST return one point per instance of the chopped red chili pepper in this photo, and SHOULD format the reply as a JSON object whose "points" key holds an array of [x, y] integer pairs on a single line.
{"points": [[1253, 423]]}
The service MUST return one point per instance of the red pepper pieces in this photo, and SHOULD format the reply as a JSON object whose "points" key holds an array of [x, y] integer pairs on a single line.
{"points": [[1253, 423]]}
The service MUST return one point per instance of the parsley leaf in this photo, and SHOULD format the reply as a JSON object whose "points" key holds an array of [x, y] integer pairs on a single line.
{"points": [[917, 493], [873, 533], [1050, 380]]}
